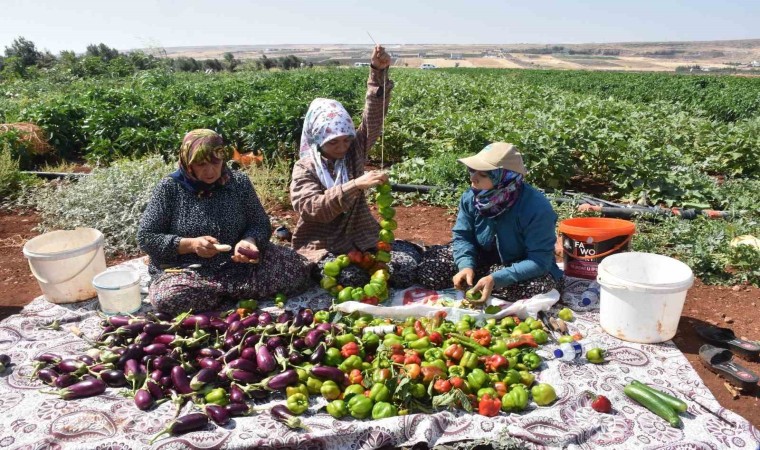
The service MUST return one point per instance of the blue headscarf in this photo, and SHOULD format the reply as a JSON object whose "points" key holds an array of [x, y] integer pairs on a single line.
{"points": [[507, 186]]}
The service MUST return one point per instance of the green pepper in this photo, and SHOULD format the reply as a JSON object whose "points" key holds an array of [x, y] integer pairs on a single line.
{"points": [[565, 338], [457, 371], [516, 399], [433, 354], [297, 403], [380, 393], [332, 357], [217, 396], [321, 316], [565, 314], [330, 390], [352, 362], [531, 360], [469, 360], [469, 319], [498, 346], [382, 410], [299, 388], [477, 379], [370, 341], [487, 390], [540, 336], [527, 378], [543, 394], [508, 322], [437, 363], [394, 340], [337, 408], [512, 377], [360, 407], [595, 355], [446, 328], [462, 326], [536, 325], [524, 327], [418, 390], [314, 385], [303, 375], [343, 339], [420, 344], [511, 361], [514, 352], [357, 389]]}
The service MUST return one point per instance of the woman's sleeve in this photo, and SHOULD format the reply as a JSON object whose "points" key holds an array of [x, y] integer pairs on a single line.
{"points": [[379, 88], [259, 227], [315, 204], [464, 244], [154, 234], [539, 245]]}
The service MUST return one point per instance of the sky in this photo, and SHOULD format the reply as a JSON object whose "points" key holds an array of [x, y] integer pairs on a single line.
{"points": [[58, 25]]}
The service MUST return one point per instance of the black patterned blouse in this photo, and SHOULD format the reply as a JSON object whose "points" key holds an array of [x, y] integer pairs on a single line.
{"points": [[231, 214]]}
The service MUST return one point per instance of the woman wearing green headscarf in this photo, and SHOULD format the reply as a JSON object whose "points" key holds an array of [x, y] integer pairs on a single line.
{"points": [[191, 215]]}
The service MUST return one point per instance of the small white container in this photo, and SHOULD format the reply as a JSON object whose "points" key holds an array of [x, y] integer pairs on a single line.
{"points": [[642, 296], [118, 291]]}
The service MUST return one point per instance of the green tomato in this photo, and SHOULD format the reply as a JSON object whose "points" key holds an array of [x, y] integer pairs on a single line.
{"points": [[418, 390], [543, 393], [330, 390], [383, 199], [565, 314], [383, 256], [565, 339], [387, 212], [384, 188], [360, 407], [387, 236], [280, 298], [473, 295], [337, 408], [388, 224], [595, 355], [383, 410]]}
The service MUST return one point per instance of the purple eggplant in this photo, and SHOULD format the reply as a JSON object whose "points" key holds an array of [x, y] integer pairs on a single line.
{"points": [[87, 388], [295, 359], [164, 363], [113, 378], [274, 342], [314, 337], [265, 319], [233, 353], [118, 321], [48, 358], [235, 409], [218, 414], [97, 368], [231, 341], [162, 316], [264, 359], [197, 321], [155, 329], [143, 399], [237, 395], [108, 356], [210, 363], [307, 315], [143, 338], [65, 380], [251, 320], [131, 330], [47, 376], [184, 424], [202, 378], [282, 414], [167, 339], [235, 327], [218, 325], [285, 317], [248, 353], [133, 351], [243, 364], [280, 381], [329, 373], [232, 317], [319, 354], [85, 359], [156, 349], [210, 352], [180, 380], [156, 375], [241, 376], [251, 340], [249, 253], [166, 382], [134, 372], [326, 327], [154, 387], [70, 365], [299, 344]]}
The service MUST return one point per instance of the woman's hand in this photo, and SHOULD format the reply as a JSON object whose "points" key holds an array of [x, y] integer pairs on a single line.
{"points": [[464, 279], [249, 248], [380, 59], [203, 246], [372, 178], [484, 286]]}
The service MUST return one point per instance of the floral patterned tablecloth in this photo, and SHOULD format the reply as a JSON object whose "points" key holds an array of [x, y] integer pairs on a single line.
{"points": [[30, 419]]}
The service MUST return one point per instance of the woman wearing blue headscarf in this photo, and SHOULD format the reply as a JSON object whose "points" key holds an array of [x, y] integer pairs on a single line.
{"points": [[504, 236]]}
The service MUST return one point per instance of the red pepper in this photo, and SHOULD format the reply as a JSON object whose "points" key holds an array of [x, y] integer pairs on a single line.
{"points": [[523, 339], [456, 382], [495, 362], [488, 406], [419, 329], [600, 403], [398, 359], [412, 358], [355, 377], [442, 386], [397, 349], [482, 337], [413, 370], [350, 349], [436, 338], [454, 351], [501, 388]]}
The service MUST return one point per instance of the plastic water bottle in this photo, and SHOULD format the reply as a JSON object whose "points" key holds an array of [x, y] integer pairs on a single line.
{"points": [[573, 351], [591, 295]]}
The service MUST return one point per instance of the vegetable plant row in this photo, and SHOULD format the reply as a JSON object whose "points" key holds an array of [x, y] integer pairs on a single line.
{"points": [[363, 366]]}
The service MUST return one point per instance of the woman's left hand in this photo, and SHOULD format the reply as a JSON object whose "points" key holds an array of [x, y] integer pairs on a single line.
{"points": [[484, 286], [380, 59], [249, 248]]}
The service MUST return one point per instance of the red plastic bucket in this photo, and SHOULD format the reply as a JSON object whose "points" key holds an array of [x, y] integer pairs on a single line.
{"points": [[586, 241]]}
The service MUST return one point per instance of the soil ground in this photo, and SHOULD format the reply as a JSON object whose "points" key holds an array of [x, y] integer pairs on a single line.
{"points": [[734, 307]]}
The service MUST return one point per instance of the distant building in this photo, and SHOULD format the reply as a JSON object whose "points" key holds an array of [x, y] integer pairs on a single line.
{"points": [[456, 56], [755, 64]]}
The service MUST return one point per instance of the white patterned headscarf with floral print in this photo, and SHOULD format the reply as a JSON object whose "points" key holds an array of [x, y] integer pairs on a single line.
{"points": [[325, 120]]}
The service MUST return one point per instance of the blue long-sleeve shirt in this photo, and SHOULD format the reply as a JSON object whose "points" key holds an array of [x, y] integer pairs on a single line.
{"points": [[524, 237]]}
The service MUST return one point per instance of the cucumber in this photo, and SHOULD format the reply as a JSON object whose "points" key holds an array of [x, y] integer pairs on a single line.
{"points": [[653, 403], [675, 403]]}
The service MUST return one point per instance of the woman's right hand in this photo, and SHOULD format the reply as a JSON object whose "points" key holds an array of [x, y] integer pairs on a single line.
{"points": [[464, 279], [370, 179], [204, 246]]}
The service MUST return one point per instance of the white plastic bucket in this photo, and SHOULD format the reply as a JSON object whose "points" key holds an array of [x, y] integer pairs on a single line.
{"points": [[642, 296], [65, 261], [118, 291]]}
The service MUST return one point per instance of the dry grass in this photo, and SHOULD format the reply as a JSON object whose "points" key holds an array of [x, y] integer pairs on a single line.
{"points": [[31, 135]]}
